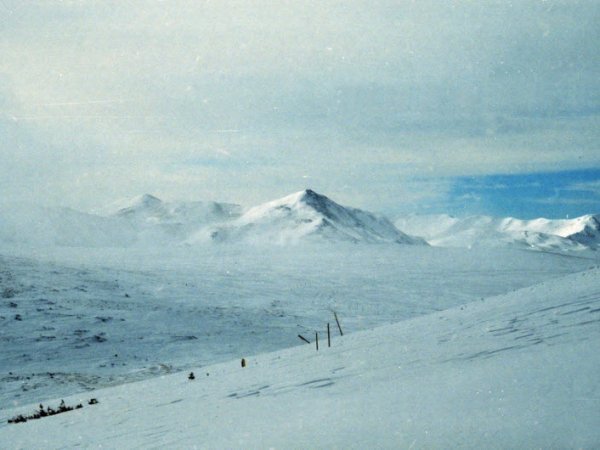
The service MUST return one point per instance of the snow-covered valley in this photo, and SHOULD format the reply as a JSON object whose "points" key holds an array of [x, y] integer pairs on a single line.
{"points": [[513, 371], [131, 301], [76, 319]]}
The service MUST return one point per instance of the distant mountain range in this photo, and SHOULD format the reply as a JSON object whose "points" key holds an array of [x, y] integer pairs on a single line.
{"points": [[147, 209], [580, 233], [305, 216]]}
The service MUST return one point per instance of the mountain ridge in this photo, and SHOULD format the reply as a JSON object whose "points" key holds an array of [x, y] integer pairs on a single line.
{"points": [[580, 233], [301, 216], [307, 215]]}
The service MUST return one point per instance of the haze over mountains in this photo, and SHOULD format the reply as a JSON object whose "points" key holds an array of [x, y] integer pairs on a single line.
{"points": [[305, 216]]}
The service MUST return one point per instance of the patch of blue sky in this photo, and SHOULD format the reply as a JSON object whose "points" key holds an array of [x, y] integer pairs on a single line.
{"points": [[560, 194]]}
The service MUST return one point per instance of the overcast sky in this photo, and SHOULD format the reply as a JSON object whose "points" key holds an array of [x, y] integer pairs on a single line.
{"points": [[393, 106]]}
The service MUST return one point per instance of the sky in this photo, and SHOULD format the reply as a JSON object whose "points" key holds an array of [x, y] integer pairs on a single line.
{"points": [[461, 107]]}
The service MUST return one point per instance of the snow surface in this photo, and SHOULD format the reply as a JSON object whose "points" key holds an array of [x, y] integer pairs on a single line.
{"points": [[579, 234], [515, 371], [95, 317]]}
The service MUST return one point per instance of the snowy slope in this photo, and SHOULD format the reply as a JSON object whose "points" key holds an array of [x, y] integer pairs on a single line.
{"points": [[543, 234], [588, 231], [307, 215], [73, 319], [515, 371]]}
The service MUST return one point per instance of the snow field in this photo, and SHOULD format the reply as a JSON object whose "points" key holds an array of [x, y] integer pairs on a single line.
{"points": [[89, 318], [513, 371]]}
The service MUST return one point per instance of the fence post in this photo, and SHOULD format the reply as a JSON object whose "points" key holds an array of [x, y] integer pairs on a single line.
{"points": [[304, 339], [338, 323], [328, 336], [317, 339]]}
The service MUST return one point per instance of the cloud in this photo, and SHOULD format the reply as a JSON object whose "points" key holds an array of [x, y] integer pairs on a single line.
{"points": [[587, 202], [378, 102], [529, 195], [592, 187]]}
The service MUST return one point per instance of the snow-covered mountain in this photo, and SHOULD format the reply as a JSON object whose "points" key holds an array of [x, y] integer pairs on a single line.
{"points": [[576, 234], [588, 231], [159, 222], [304, 216], [150, 210], [307, 215], [144, 220]]}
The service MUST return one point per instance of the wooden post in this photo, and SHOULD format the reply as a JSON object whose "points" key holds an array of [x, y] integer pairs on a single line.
{"points": [[328, 336], [304, 339], [317, 339], [338, 323]]}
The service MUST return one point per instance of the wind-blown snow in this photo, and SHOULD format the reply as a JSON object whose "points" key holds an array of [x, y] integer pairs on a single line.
{"points": [[143, 221], [515, 371], [151, 210], [41, 227]]}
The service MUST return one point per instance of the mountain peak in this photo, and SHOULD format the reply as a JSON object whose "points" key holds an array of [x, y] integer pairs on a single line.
{"points": [[303, 195], [312, 198], [310, 193], [307, 214], [147, 200]]}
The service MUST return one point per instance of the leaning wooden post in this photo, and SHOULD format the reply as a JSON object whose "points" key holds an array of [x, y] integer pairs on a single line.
{"points": [[304, 339], [338, 323], [317, 339], [328, 336]]}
